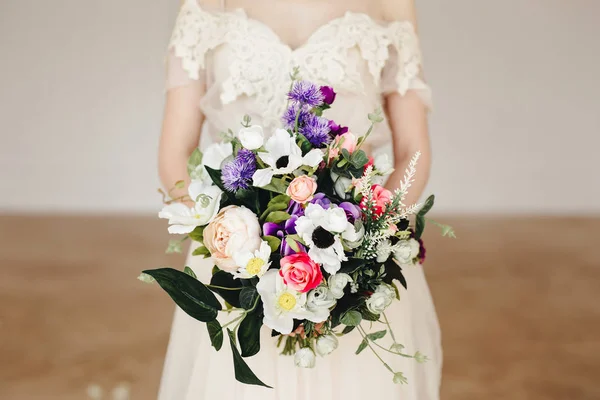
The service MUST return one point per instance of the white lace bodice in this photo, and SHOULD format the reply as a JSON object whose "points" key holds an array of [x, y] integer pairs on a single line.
{"points": [[247, 67]]}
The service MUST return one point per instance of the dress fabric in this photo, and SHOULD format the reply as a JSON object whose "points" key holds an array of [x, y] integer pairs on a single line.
{"points": [[244, 68]]}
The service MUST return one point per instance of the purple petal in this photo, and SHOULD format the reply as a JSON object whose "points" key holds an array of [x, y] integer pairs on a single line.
{"points": [[272, 229], [352, 211]]}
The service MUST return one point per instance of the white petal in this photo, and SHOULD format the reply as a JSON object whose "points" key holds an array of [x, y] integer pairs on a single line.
{"points": [[181, 229], [175, 209], [251, 137], [216, 153], [336, 220], [313, 158], [268, 158], [262, 177], [283, 323]]}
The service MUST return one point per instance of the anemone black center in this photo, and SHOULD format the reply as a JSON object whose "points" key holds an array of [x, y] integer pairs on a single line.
{"points": [[322, 238], [282, 162]]}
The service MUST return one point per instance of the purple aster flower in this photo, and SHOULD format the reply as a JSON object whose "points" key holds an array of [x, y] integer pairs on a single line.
{"points": [[322, 200], [328, 94], [352, 211], [337, 130], [316, 130], [237, 174], [304, 92], [289, 117]]}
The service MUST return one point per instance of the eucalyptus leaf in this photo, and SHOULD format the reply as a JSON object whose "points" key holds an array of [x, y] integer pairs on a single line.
{"points": [[351, 318], [188, 293], [215, 332], [363, 345], [194, 161], [175, 246], [278, 216], [243, 373], [376, 335]]}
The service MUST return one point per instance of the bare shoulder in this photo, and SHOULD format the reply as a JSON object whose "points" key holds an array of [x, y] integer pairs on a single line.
{"points": [[398, 10]]}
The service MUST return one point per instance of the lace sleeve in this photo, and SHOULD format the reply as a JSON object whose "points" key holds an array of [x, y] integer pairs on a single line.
{"points": [[196, 32], [403, 69]]}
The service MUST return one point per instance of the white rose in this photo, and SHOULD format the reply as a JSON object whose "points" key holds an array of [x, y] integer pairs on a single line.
{"points": [[341, 184], [381, 299], [337, 283], [326, 344], [234, 229], [216, 153], [384, 250], [405, 251], [305, 358], [252, 137], [320, 298]]}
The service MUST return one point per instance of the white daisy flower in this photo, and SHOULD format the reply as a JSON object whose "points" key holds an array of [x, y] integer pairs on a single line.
{"points": [[282, 304], [252, 263], [283, 156], [184, 219], [320, 229]]}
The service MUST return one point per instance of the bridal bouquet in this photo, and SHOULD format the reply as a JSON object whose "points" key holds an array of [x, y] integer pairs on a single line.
{"points": [[303, 236]]}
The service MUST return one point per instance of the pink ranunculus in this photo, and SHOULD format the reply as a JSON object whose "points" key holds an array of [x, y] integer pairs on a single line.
{"points": [[381, 196], [302, 189], [300, 272]]}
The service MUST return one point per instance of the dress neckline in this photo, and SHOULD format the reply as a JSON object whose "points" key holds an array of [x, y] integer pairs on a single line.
{"points": [[241, 13]]}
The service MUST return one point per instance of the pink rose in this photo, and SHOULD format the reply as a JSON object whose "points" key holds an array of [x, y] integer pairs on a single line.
{"points": [[381, 197], [344, 141], [300, 272], [302, 189], [234, 229]]}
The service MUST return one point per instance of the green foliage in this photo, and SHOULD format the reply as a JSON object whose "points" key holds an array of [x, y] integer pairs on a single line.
{"points": [[201, 251], [420, 217], [352, 265], [175, 246], [197, 234], [278, 216], [394, 271], [249, 333], [351, 318], [228, 288], [248, 297], [277, 185], [274, 242], [363, 345], [243, 373], [215, 175], [376, 335], [190, 272], [194, 161], [188, 293], [215, 331]]}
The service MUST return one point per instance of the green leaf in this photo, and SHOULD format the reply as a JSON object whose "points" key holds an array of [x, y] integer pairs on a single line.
{"points": [[348, 329], [274, 242], [376, 116], [394, 271], [215, 175], [304, 144], [376, 335], [363, 345], [277, 185], [296, 237], [278, 216], [231, 293], [292, 243], [175, 246], [215, 331], [194, 160], [201, 251], [243, 373], [419, 226], [368, 315], [190, 272], [146, 278], [352, 265], [248, 296], [359, 159], [281, 198], [188, 293], [427, 205], [249, 334], [346, 154], [197, 234], [351, 318]]}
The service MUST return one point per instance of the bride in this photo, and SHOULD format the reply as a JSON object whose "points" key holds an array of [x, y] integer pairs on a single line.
{"points": [[235, 58]]}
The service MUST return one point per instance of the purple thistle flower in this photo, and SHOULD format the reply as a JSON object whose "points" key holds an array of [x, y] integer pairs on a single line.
{"points": [[237, 174], [316, 130], [289, 117], [328, 94], [304, 92]]}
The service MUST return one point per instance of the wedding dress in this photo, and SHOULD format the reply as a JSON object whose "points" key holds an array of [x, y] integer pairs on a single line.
{"points": [[245, 68]]}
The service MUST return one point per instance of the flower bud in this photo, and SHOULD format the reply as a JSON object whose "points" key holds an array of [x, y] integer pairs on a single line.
{"points": [[305, 358], [326, 344]]}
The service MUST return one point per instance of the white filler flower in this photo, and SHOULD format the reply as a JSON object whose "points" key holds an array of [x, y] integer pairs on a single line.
{"points": [[337, 283], [326, 344], [305, 358], [381, 298], [251, 137], [405, 251], [254, 263], [184, 219], [321, 229], [283, 156], [282, 304]]}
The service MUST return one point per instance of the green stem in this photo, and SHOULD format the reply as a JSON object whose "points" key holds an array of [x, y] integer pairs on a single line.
{"points": [[389, 327], [242, 315], [222, 288], [364, 335]]}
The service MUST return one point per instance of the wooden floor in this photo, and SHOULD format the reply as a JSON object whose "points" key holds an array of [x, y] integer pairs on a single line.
{"points": [[517, 300]]}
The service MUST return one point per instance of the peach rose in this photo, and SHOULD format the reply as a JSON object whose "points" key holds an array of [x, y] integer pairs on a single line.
{"points": [[300, 272], [233, 229], [302, 189]]}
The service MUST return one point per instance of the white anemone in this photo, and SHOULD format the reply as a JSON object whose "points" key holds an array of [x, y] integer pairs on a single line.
{"points": [[252, 263], [282, 304], [283, 156], [216, 153], [321, 229], [184, 219]]}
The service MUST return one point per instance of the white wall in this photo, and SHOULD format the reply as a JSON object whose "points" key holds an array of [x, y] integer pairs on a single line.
{"points": [[516, 125]]}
